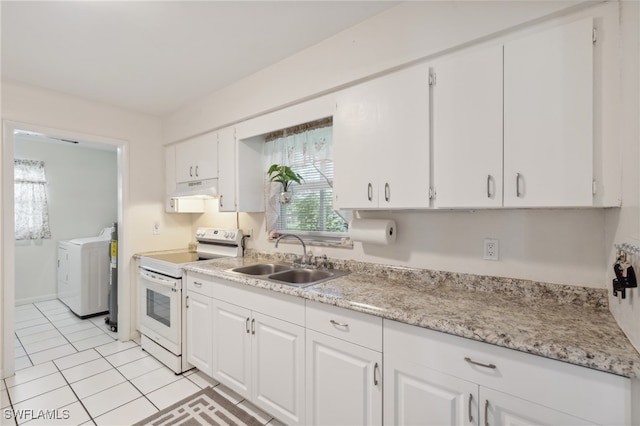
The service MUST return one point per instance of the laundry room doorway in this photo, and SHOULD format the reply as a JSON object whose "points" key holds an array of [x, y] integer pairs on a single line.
{"points": [[82, 181]]}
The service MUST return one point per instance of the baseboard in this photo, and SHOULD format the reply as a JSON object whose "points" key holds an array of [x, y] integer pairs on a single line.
{"points": [[36, 299]]}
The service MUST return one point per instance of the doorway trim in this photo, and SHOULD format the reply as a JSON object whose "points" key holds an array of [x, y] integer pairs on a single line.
{"points": [[7, 233]]}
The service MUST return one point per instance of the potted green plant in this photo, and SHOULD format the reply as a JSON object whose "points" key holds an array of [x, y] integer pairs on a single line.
{"points": [[284, 176]]}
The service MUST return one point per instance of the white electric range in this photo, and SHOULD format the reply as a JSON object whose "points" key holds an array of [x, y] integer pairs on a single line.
{"points": [[162, 299]]}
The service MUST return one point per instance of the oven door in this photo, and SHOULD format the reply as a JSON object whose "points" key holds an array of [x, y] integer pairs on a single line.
{"points": [[161, 309]]}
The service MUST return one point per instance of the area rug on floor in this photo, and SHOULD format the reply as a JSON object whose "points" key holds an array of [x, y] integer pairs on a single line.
{"points": [[206, 407]]}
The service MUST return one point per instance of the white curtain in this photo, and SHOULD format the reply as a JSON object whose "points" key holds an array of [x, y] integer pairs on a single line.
{"points": [[308, 153], [31, 209]]}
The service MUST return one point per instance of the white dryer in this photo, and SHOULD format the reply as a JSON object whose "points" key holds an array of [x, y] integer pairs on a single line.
{"points": [[83, 274]]}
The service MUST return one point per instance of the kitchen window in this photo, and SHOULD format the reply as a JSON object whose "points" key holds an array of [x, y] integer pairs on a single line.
{"points": [[30, 193], [308, 150]]}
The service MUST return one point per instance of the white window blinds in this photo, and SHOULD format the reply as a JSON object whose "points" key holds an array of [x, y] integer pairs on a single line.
{"points": [[309, 152]]}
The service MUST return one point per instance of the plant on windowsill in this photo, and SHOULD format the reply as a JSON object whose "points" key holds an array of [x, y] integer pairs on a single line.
{"points": [[285, 176]]}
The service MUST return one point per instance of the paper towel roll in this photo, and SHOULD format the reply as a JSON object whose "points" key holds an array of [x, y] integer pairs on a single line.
{"points": [[374, 231]]}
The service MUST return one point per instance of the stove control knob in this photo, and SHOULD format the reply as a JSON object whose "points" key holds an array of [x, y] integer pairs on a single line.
{"points": [[226, 234], [232, 235]]}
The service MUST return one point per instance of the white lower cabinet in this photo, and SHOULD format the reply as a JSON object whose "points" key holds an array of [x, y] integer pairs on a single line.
{"points": [[318, 364], [344, 382], [422, 396], [278, 364], [433, 378], [261, 358], [344, 378], [232, 346], [498, 408], [417, 395], [257, 344], [199, 335]]}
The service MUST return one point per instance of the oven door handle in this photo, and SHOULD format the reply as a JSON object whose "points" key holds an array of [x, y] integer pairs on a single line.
{"points": [[160, 281]]}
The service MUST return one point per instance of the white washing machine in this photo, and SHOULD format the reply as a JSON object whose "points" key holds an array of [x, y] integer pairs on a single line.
{"points": [[83, 274]]}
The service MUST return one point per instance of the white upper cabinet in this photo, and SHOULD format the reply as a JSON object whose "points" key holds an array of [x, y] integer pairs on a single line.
{"points": [[467, 129], [548, 118], [197, 158], [513, 123], [227, 168], [381, 142]]}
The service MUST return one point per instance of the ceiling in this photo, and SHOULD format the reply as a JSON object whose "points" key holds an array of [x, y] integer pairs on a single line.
{"points": [[157, 56]]}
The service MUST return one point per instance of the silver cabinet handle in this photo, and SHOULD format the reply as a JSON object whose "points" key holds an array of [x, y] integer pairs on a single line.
{"points": [[470, 416], [187, 302], [197, 284], [518, 193], [196, 171], [191, 171], [470, 361], [253, 326], [489, 186], [339, 324], [375, 375], [369, 192], [221, 204], [246, 325], [387, 192], [486, 412]]}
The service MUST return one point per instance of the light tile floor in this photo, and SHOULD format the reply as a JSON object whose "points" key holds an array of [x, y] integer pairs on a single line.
{"points": [[74, 372]]}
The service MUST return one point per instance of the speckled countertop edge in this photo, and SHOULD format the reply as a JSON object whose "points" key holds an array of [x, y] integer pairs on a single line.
{"points": [[565, 323]]}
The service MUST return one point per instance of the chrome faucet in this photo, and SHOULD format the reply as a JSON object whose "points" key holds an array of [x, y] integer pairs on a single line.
{"points": [[304, 247]]}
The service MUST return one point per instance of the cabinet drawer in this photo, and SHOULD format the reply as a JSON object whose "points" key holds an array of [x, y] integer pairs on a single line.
{"points": [[199, 284], [352, 326], [272, 303], [582, 392]]}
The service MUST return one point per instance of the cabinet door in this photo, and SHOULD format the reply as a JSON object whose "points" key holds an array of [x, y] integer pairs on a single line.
{"points": [[278, 368], [417, 395], [548, 118], [63, 271], [227, 169], [381, 142], [355, 144], [467, 130], [344, 382], [499, 408], [199, 331], [404, 160], [231, 354], [197, 158]]}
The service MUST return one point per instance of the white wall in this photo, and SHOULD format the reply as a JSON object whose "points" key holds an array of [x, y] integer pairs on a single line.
{"points": [[82, 197], [623, 225], [565, 246]]}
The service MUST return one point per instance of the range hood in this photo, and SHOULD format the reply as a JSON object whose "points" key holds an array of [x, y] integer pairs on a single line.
{"points": [[206, 188], [189, 197]]}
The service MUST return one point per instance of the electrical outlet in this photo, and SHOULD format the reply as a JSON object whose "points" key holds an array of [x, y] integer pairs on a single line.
{"points": [[156, 228], [491, 248]]}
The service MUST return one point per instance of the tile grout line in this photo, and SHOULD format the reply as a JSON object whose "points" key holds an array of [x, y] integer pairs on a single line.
{"points": [[74, 392], [130, 382], [113, 367]]}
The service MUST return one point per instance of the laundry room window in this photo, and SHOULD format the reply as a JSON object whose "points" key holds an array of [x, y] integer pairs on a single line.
{"points": [[308, 150], [30, 205]]}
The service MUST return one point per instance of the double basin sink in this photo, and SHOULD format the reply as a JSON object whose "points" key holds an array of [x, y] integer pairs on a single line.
{"points": [[289, 275]]}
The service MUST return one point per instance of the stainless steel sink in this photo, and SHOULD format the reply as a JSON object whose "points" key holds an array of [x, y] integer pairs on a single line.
{"points": [[288, 275], [301, 276], [262, 269]]}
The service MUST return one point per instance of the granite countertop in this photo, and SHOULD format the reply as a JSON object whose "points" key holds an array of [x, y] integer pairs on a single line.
{"points": [[566, 323]]}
